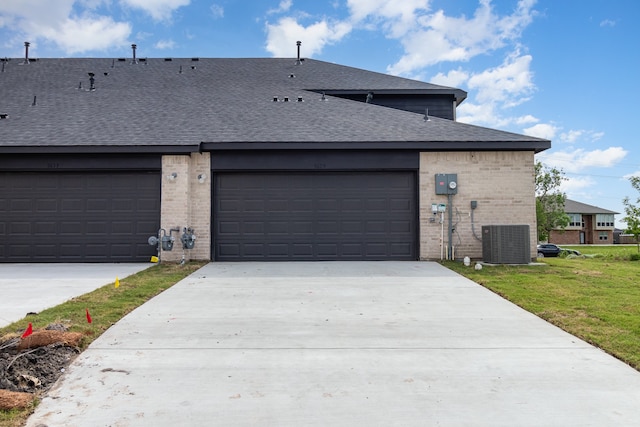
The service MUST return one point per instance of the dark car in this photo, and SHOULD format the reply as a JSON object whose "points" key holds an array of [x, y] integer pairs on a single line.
{"points": [[551, 250], [548, 250]]}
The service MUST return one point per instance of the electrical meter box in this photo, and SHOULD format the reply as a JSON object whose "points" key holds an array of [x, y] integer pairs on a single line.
{"points": [[446, 183]]}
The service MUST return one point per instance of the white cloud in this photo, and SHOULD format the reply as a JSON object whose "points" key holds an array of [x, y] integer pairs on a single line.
{"points": [[165, 44], [481, 114], [284, 6], [315, 37], [397, 18], [57, 23], [160, 10], [439, 38], [74, 26], [217, 11], [454, 78], [571, 136], [525, 120], [87, 34], [541, 130], [509, 83], [577, 160], [577, 134], [608, 23], [572, 186]]}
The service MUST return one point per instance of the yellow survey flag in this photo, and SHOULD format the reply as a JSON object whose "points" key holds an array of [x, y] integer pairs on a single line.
{"points": [[117, 282], [154, 259]]}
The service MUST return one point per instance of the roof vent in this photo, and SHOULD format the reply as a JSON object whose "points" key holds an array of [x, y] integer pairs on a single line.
{"points": [[426, 115], [26, 52], [122, 59], [3, 116], [275, 99], [369, 98], [324, 97], [168, 59], [300, 99], [298, 61], [292, 76], [195, 59], [286, 99], [34, 103], [92, 81], [143, 60], [133, 48]]}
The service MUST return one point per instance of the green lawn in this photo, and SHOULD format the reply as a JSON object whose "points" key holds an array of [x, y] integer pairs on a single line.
{"points": [[595, 297]]}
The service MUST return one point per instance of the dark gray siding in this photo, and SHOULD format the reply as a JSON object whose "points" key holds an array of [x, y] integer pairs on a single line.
{"points": [[439, 105]]}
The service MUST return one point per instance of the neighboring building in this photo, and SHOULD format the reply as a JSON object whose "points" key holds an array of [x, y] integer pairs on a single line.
{"points": [[265, 159], [588, 225]]}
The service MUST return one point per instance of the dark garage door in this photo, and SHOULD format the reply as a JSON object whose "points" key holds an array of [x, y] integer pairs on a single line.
{"points": [[315, 216], [78, 216]]}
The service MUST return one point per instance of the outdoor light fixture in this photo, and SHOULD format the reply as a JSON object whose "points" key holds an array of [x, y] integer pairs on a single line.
{"points": [[172, 176], [202, 178]]}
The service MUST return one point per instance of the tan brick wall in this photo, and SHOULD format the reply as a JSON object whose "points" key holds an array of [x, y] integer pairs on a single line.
{"points": [[501, 182], [186, 202]]}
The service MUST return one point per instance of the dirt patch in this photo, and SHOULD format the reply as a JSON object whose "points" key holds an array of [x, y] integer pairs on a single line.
{"points": [[29, 368]]}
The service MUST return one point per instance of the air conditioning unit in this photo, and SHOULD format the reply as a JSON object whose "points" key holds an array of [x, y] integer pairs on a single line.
{"points": [[506, 244]]}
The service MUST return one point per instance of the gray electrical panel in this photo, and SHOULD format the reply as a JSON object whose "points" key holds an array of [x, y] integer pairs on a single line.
{"points": [[446, 183]]}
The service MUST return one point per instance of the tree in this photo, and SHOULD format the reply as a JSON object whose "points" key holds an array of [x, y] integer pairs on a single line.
{"points": [[550, 200], [632, 212]]}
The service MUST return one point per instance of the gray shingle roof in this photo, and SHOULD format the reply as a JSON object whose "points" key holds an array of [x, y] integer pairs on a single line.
{"points": [[571, 206], [177, 105]]}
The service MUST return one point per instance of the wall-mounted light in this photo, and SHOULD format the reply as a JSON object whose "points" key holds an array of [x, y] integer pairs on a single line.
{"points": [[202, 178], [172, 176]]}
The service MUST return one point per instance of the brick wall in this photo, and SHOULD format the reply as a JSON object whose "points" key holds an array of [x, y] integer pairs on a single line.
{"points": [[569, 237], [501, 182], [186, 202]]}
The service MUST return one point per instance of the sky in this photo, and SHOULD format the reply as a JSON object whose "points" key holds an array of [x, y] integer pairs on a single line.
{"points": [[563, 70]]}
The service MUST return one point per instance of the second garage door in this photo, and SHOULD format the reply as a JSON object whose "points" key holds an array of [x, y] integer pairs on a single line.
{"points": [[315, 216]]}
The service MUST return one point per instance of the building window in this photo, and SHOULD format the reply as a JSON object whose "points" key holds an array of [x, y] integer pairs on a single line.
{"points": [[575, 220], [604, 220], [603, 235]]}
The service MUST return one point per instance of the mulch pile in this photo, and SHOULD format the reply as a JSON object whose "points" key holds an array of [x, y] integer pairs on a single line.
{"points": [[30, 366]]}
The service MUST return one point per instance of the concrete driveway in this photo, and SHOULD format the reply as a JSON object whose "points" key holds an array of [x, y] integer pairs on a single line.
{"points": [[30, 288], [338, 344]]}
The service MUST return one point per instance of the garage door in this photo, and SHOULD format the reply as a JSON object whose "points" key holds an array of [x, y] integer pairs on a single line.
{"points": [[78, 216], [315, 216]]}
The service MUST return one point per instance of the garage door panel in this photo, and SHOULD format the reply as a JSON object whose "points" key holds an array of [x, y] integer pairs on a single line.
{"points": [[79, 216], [314, 216]]}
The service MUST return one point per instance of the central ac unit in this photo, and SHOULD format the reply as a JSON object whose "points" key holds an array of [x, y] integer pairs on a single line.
{"points": [[506, 244]]}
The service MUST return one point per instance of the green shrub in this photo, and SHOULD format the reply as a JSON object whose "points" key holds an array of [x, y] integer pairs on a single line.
{"points": [[634, 257]]}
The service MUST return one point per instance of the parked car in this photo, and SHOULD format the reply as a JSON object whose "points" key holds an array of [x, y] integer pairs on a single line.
{"points": [[551, 250], [548, 249]]}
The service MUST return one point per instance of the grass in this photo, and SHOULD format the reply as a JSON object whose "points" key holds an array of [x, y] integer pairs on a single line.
{"points": [[595, 297], [106, 306]]}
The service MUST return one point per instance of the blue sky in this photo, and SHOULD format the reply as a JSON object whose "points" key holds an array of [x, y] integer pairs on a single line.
{"points": [[562, 70]]}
